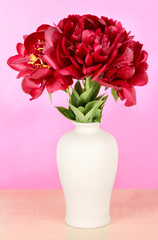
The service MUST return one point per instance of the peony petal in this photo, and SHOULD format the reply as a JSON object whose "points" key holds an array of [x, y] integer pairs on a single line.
{"points": [[106, 21], [68, 28], [143, 56], [98, 72], [25, 36], [139, 79], [97, 48], [90, 21], [63, 79], [125, 73], [43, 27], [99, 58], [32, 39], [53, 85], [110, 73], [28, 85], [21, 49], [105, 83], [63, 60], [121, 83], [41, 73], [142, 67], [37, 92], [74, 62], [116, 85], [130, 96], [113, 31], [58, 82], [125, 55], [81, 50], [64, 46], [58, 55], [50, 58], [17, 62], [79, 60], [88, 36], [121, 95], [89, 60], [52, 37], [71, 70], [93, 68], [84, 71], [112, 57], [136, 48], [24, 72], [49, 36]]}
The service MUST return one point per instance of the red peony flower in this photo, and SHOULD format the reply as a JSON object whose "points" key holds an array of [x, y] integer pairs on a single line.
{"points": [[36, 73], [82, 46]]}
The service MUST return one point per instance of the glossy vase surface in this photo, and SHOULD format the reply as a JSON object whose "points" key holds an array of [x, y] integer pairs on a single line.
{"points": [[87, 162]]}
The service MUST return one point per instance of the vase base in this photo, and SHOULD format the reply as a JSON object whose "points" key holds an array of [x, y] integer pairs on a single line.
{"points": [[84, 225]]}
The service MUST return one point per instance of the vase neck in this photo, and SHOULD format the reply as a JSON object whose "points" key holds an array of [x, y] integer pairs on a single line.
{"points": [[86, 127]]}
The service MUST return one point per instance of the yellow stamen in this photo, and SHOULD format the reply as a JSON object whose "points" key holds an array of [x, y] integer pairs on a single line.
{"points": [[41, 48], [41, 41], [46, 66], [33, 59], [41, 61]]}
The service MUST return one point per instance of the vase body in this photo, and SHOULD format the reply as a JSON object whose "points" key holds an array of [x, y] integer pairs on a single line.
{"points": [[87, 162]]}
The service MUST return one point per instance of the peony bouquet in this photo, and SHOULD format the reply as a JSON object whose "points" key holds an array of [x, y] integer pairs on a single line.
{"points": [[80, 55]]}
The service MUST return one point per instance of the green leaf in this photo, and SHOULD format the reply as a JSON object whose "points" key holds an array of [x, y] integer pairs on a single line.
{"points": [[75, 98], [87, 83], [79, 115], [99, 97], [95, 89], [50, 96], [106, 88], [68, 92], [66, 112], [81, 109], [91, 105], [91, 112], [86, 96], [96, 116], [78, 88], [114, 94], [105, 98]]}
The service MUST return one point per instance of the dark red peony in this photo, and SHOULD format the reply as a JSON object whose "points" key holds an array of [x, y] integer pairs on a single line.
{"points": [[37, 74], [77, 48], [82, 46]]}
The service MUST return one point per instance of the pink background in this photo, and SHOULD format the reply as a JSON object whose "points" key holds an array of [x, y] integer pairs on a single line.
{"points": [[29, 131]]}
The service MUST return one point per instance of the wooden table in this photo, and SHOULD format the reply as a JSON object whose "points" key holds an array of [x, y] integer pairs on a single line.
{"points": [[39, 215]]}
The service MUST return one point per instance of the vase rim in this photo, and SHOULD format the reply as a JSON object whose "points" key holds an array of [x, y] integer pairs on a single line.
{"points": [[86, 124]]}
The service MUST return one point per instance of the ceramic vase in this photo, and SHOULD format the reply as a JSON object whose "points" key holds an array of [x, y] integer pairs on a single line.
{"points": [[87, 162]]}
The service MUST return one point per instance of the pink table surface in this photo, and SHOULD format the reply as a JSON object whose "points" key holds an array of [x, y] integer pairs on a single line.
{"points": [[39, 214]]}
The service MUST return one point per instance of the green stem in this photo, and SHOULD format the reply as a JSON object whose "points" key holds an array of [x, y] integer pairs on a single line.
{"points": [[68, 92], [50, 96], [83, 82], [88, 83]]}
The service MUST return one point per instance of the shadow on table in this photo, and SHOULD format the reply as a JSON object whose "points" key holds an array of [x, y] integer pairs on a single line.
{"points": [[101, 233]]}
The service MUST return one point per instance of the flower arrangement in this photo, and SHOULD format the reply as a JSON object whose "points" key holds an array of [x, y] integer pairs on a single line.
{"points": [[95, 52]]}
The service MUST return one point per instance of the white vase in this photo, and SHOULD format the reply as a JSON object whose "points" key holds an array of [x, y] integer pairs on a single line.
{"points": [[87, 162]]}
